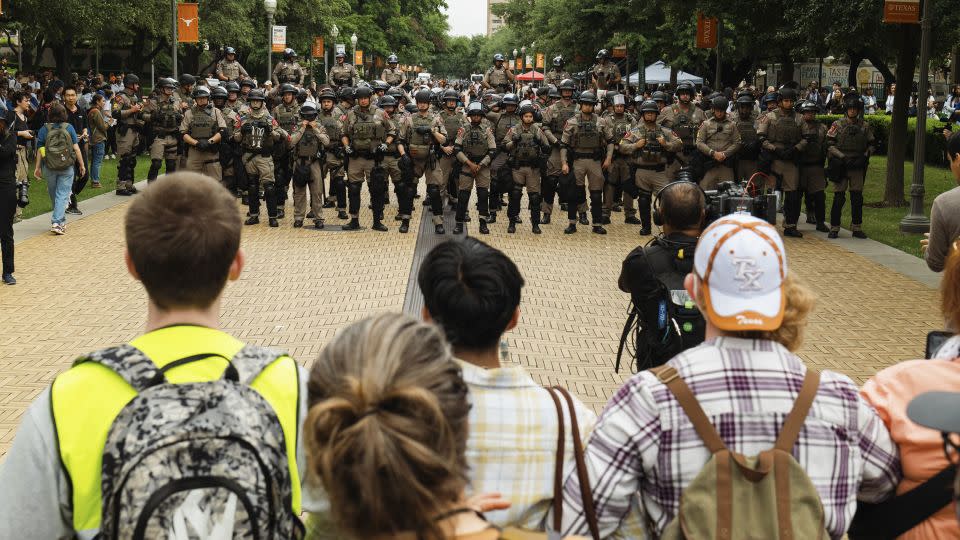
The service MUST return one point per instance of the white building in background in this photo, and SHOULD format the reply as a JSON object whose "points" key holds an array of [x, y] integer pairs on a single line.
{"points": [[494, 22]]}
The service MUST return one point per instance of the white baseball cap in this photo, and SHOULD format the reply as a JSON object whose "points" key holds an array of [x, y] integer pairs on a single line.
{"points": [[741, 263]]}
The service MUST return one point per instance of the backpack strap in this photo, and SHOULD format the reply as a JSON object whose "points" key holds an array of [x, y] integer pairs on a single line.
{"points": [[130, 363], [249, 362], [801, 407], [586, 494], [669, 376], [558, 470]]}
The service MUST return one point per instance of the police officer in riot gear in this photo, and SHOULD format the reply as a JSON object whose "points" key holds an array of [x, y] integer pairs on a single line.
{"points": [[185, 92], [499, 77], [202, 128], [813, 180], [420, 135], [850, 141], [528, 146], [366, 134], [342, 74], [287, 114], [392, 74], [288, 70], [619, 172], [782, 144], [229, 149], [651, 146], [228, 68], [257, 132], [333, 165], [164, 114], [746, 120], [246, 85], [554, 118], [604, 74], [452, 119], [475, 145], [587, 144], [127, 111], [501, 175], [684, 118], [308, 140], [557, 72]]}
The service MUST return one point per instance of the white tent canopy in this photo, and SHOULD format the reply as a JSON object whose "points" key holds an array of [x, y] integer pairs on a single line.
{"points": [[659, 73]]}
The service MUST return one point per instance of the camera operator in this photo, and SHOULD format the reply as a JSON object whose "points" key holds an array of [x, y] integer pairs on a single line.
{"points": [[663, 319]]}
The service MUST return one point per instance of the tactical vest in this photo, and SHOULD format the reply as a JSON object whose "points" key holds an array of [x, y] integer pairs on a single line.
{"points": [[588, 138], [128, 103], [497, 77], [395, 122], [204, 123], [451, 122], [527, 150], [340, 75], [367, 131], [747, 129], [287, 116], [260, 137], [652, 152], [783, 130], [504, 123], [683, 124], [331, 123], [813, 152], [309, 145], [167, 118], [420, 144], [621, 125], [288, 74], [475, 144], [392, 77], [852, 138], [561, 113]]}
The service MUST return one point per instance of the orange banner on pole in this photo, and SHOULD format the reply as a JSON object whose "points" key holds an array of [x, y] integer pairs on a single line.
{"points": [[518, 63], [358, 58], [540, 60], [188, 23], [620, 52], [707, 28], [901, 11], [317, 50]]}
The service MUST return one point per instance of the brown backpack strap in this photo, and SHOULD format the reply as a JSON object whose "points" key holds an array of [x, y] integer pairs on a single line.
{"points": [[558, 470], [589, 511], [708, 434], [801, 407]]}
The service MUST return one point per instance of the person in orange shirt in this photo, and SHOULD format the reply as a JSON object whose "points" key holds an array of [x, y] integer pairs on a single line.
{"points": [[924, 506]]}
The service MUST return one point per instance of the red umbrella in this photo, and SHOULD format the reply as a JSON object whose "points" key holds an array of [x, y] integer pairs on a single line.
{"points": [[530, 76]]}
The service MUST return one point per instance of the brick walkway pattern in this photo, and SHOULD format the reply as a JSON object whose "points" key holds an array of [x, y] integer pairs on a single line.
{"points": [[300, 286]]}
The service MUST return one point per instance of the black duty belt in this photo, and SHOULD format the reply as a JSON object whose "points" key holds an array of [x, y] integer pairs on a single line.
{"points": [[656, 168], [588, 155]]}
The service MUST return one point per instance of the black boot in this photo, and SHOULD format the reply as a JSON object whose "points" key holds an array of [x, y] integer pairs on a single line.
{"points": [[535, 200], [438, 228], [571, 228], [492, 217], [342, 214], [643, 208], [791, 209], [405, 226], [463, 201], [353, 225], [512, 227], [483, 227], [297, 223], [252, 220], [856, 213], [596, 209], [274, 222], [154, 170], [546, 218], [810, 204], [379, 226], [583, 218], [820, 210], [836, 211], [458, 228]]}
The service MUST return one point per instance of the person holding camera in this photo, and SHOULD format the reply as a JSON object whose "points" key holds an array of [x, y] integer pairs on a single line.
{"points": [[849, 142], [8, 196], [651, 274]]}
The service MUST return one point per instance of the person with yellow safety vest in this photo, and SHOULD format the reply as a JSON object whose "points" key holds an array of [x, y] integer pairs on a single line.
{"points": [[184, 427]]}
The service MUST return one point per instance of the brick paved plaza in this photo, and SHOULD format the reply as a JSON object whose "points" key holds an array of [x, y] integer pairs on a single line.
{"points": [[301, 285]]}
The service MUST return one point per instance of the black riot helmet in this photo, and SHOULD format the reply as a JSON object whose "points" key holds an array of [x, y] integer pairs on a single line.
{"points": [[450, 95], [587, 98], [392, 59], [229, 50], [308, 111], [232, 86], [603, 54], [498, 58], [130, 80], [287, 88], [362, 92], [719, 103], [649, 105], [423, 96], [347, 93], [248, 82], [745, 98], [809, 106], [218, 92], [509, 99], [787, 93], [388, 101], [167, 82], [659, 96], [475, 109], [558, 62], [553, 92], [289, 54], [685, 87], [200, 92], [327, 93], [187, 80], [256, 95]]}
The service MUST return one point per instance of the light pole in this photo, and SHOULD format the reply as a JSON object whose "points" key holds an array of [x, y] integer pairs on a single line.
{"points": [[271, 8], [916, 221], [334, 33], [353, 42]]}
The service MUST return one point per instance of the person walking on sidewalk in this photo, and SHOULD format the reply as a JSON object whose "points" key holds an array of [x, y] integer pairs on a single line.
{"points": [[58, 154], [8, 196]]}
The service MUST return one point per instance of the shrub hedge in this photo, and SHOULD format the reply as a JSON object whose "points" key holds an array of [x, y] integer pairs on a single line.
{"points": [[935, 145]]}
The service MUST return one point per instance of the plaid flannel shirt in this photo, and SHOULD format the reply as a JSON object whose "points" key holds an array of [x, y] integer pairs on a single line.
{"points": [[644, 444]]}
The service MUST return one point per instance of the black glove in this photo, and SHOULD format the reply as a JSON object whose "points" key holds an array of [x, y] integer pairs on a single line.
{"points": [[348, 150], [246, 128], [203, 144], [404, 161], [787, 153], [423, 130], [382, 149]]}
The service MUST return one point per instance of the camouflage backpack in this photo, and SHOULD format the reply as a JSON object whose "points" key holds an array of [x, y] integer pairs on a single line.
{"points": [[195, 460]]}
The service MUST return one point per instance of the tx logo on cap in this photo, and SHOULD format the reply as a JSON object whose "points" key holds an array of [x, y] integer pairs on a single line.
{"points": [[747, 273]]}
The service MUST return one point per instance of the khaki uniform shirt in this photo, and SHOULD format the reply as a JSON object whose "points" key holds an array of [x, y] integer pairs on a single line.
{"points": [[393, 77], [487, 129], [669, 118], [554, 77], [152, 107], [210, 109], [290, 72], [230, 71], [318, 130], [604, 75], [342, 75], [498, 78], [718, 136], [573, 127]]}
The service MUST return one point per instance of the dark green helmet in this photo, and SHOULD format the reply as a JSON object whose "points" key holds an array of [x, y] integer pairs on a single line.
{"points": [[649, 105], [587, 98]]}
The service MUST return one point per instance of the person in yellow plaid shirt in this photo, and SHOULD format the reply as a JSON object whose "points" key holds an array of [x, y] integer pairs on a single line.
{"points": [[472, 291]]}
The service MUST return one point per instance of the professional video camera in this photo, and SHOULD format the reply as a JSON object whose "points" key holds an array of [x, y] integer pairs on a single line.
{"points": [[735, 196]]}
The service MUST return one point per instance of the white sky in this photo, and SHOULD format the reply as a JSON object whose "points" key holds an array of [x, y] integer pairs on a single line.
{"points": [[467, 17]]}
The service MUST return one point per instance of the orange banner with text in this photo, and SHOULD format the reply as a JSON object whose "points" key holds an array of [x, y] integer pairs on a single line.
{"points": [[901, 11], [188, 23], [358, 58], [706, 31]]}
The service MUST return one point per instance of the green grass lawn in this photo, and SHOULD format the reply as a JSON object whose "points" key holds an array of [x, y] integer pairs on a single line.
{"points": [[40, 202], [883, 224]]}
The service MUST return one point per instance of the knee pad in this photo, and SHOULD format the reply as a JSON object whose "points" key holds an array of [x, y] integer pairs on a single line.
{"points": [[269, 189], [517, 189], [535, 200]]}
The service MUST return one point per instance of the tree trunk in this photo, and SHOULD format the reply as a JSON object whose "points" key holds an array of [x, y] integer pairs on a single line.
{"points": [[63, 55], [855, 59], [881, 65], [893, 191], [786, 70], [955, 65], [673, 75]]}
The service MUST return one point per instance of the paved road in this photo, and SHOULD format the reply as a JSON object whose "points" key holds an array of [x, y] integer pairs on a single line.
{"points": [[300, 286]]}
